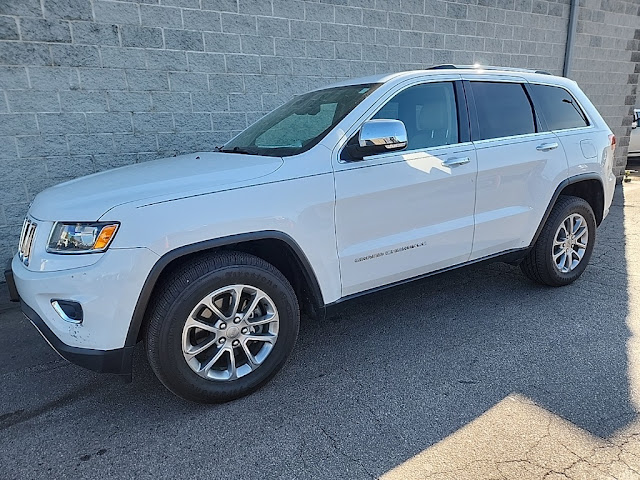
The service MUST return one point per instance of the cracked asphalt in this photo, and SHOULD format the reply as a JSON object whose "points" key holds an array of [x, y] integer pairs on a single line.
{"points": [[477, 373]]}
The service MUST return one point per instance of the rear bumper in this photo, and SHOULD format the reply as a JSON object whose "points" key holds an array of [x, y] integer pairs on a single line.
{"points": [[103, 361]]}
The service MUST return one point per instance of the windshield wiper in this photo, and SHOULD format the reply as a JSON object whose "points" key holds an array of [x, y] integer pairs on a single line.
{"points": [[235, 150]]}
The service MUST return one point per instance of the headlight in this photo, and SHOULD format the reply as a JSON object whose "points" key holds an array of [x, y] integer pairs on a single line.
{"points": [[81, 237]]}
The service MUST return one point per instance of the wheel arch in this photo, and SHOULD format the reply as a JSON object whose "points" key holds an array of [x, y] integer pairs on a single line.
{"points": [[591, 190], [587, 186], [275, 247]]}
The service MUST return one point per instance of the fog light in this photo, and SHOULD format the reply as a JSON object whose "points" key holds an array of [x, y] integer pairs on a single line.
{"points": [[69, 311]]}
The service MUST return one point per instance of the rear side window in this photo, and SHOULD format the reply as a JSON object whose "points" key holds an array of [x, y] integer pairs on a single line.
{"points": [[559, 109], [503, 110]]}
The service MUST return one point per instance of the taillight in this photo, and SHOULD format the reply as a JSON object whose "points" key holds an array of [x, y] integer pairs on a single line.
{"points": [[612, 141]]}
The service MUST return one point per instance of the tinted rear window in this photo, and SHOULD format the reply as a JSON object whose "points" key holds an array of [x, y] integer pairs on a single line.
{"points": [[558, 108], [503, 110]]}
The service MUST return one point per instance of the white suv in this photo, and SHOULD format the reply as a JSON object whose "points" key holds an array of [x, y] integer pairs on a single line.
{"points": [[209, 258]]}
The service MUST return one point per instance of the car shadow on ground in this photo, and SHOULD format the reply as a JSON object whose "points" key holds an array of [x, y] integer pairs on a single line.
{"points": [[364, 391]]}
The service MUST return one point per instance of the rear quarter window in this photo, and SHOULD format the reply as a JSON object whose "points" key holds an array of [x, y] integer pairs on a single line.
{"points": [[558, 107]]}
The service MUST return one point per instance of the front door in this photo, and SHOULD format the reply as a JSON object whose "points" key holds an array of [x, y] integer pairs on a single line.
{"points": [[403, 214]]}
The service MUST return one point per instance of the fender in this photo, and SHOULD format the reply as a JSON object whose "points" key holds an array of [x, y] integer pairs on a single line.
{"points": [[158, 268]]}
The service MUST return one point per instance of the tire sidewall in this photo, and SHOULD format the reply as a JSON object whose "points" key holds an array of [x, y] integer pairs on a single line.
{"points": [[180, 378]]}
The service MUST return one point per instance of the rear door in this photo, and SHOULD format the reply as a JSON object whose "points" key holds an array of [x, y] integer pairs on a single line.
{"points": [[519, 164]]}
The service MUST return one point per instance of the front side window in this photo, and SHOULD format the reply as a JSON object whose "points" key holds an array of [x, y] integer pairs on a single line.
{"points": [[503, 110], [428, 112], [559, 109], [299, 124]]}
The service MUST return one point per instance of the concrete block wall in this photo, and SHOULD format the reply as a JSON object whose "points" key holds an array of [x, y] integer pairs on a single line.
{"points": [[606, 63], [87, 85]]}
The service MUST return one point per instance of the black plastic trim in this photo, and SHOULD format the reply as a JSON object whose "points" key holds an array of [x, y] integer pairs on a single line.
{"points": [[462, 108], [445, 66], [575, 179], [474, 127], [152, 278], [539, 123], [14, 296], [103, 361], [542, 125]]}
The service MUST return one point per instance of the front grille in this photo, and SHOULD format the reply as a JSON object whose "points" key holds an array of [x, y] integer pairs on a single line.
{"points": [[26, 240]]}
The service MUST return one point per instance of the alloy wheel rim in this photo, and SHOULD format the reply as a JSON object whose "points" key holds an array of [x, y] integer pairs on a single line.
{"points": [[230, 332], [570, 243]]}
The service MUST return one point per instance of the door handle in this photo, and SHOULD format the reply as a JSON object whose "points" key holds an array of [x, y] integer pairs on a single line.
{"points": [[455, 161], [545, 147]]}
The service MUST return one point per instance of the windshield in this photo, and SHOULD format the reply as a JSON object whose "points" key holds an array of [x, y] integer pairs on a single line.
{"points": [[299, 124]]}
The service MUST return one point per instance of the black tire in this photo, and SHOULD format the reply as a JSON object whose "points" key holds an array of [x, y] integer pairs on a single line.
{"points": [[180, 294], [538, 265]]}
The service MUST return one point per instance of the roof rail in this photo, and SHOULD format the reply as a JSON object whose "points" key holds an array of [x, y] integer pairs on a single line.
{"points": [[442, 67], [485, 67]]}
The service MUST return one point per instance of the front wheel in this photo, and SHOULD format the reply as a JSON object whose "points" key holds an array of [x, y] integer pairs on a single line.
{"points": [[565, 244], [221, 327]]}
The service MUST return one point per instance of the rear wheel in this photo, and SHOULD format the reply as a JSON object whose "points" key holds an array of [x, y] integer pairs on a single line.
{"points": [[564, 246], [221, 327]]}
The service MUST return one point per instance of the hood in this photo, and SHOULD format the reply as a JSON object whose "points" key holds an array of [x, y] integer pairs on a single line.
{"points": [[88, 198]]}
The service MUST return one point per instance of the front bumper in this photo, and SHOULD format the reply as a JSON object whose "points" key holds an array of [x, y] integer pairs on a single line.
{"points": [[107, 291], [103, 361]]}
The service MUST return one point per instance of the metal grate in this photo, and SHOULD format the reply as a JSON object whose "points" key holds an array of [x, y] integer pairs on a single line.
{"points": [[26, 240]]}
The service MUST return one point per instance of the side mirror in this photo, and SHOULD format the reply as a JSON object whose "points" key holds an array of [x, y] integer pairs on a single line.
{"points": [[634, 124], [378, 136]]}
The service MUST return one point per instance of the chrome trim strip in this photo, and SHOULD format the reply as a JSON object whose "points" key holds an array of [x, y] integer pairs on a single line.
{"points": [[26, 241], [56, 306]]}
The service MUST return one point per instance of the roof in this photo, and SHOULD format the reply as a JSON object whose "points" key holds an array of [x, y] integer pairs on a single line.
{"points": [[442, 70]]}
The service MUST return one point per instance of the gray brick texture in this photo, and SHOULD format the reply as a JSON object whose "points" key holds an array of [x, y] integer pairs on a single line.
{"points": [[606, 64], [87, 85]]}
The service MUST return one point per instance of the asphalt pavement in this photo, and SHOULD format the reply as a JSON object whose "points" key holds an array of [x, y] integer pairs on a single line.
{"points": [[476, 373]]}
